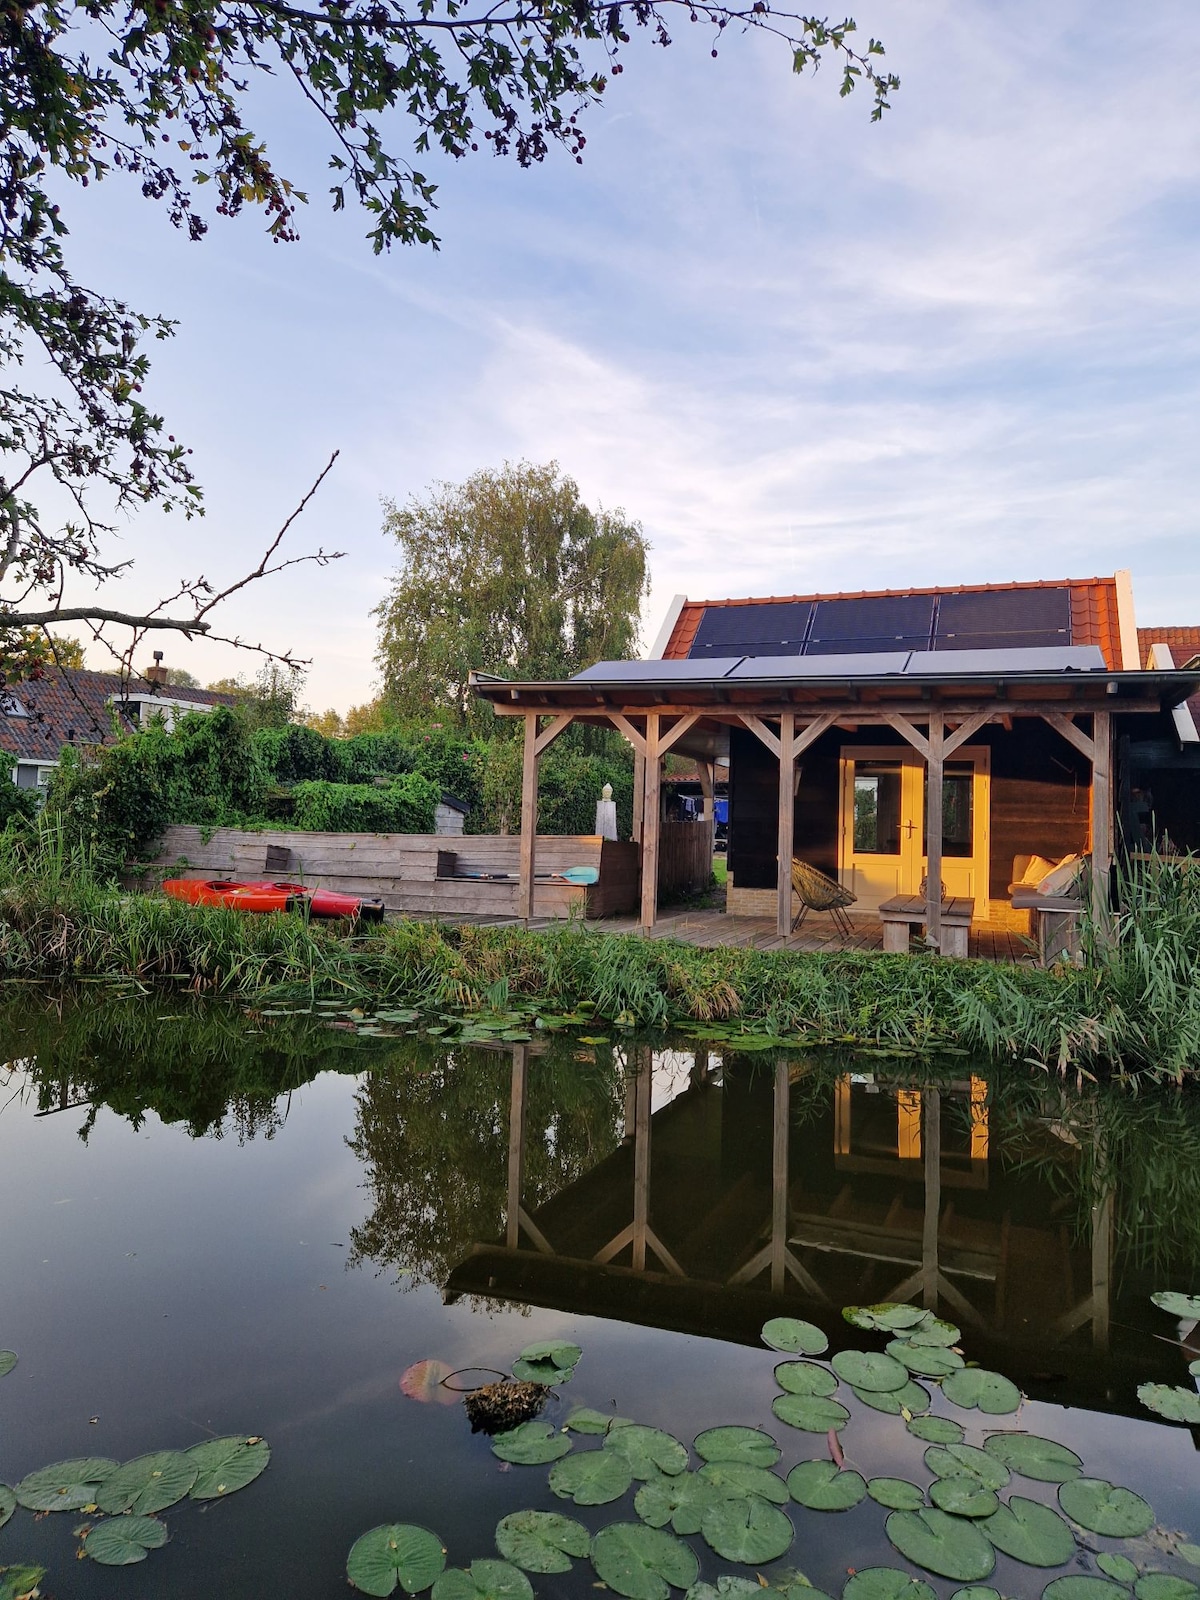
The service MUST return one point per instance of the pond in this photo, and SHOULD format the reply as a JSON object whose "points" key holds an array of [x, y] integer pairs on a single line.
{"points": [[219, 1226]]}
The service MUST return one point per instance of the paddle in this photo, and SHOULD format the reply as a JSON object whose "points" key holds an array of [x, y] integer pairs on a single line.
{"points": [[571, 875]]}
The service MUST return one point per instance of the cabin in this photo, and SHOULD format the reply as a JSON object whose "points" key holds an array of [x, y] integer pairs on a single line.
{"points": [[1034, 709]]}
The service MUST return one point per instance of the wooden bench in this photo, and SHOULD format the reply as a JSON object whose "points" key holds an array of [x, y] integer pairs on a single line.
{"points": [[1057, 919], [907, 911]]}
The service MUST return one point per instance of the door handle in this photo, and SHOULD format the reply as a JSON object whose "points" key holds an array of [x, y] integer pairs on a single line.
{"points": [[911, 827]]}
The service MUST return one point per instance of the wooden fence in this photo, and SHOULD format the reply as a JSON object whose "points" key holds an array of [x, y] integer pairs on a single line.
{"points": [[685, 858]]}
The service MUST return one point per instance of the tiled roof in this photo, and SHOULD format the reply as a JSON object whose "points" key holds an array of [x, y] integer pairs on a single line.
{"points": [[1184, 643], [1094, 616], [70, 705]]}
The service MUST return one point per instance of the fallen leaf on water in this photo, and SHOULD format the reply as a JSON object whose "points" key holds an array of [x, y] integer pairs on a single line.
{"points": [[423, 1381]]}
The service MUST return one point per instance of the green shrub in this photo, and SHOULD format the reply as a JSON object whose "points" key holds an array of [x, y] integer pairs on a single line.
{"points": [[404, 806], [16, 802]]}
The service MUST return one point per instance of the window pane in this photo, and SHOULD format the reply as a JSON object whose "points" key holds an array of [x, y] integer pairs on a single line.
{"points": [[876, 809], [958, 810]]}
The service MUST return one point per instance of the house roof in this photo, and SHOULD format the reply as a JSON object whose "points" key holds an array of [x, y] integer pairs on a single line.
{"points": [[1184, 643], [70, 705]]}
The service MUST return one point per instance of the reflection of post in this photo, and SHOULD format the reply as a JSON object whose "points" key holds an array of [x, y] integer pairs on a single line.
{"points": [[779, 1178], [932, 1104], [1102, 1234], [641, 1158], [516, 1144]]}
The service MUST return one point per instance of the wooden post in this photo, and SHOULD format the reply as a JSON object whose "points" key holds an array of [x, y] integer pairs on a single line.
{"points": [[787, 817], [651, 820], [935, 768], [516, 1145], [529, 785], [1102, 820], [639, 793]]}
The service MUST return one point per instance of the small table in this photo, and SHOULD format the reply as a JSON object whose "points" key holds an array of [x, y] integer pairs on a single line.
{"points": [[907, 911]]}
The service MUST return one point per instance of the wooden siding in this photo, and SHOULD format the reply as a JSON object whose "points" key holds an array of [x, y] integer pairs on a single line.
{"points": [[754, 808], [685, 856], [1041, 798]]}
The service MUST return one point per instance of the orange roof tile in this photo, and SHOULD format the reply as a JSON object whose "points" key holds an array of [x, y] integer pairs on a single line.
{"points": [[1184, 643]]}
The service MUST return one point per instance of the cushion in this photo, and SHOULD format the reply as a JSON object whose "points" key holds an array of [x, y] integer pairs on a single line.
{"points": [[1028, 870], [1062, 877]]}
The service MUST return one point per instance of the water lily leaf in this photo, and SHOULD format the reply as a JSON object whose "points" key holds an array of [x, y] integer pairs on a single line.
{"points": [[8, 1503], [823, 1486], [976, 1387], [896, 1493], [643, 1563], [1189, 1552], [869, 1369], [531, 1444], [65, 1486], [1078, 1587], [963, 1497], [591, 1478], [1030, 1532], [584, 1420], [749, 1445], [792, 1585], [541, 1541], [726, 1587], [396, 1553], [1118, 1567], [1174, 1403], [1102, 1508], [805, 1377], [17, 1583], [423, 1381], [734, 1478], [812, 1412], [747, 1530], [8, 1360], [550, 1361], [1164, 1586], [964, 1460], [930, 1361], [681, 1501], [947, 1545], [1033, 1457], [120, 1541], [648, 1451], [794, 1337], [911, 1398], [483, 1580], [976, 1591], [937, 1430], [933, 1331], [886, 1583], [888, 1317], [223, 1465], [148, 1483], [1179, 1305]]}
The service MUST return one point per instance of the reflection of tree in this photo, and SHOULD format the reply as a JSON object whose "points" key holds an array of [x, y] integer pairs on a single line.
{"points": [[433, 1136]]}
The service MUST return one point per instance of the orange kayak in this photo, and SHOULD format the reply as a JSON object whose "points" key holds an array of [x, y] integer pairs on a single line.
{"points": [[262, 896]]}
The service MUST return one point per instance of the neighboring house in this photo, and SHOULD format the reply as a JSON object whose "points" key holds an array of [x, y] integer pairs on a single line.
{"points": [[72, 706]]}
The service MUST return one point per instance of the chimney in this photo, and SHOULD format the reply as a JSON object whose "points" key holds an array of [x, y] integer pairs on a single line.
{"points": [[157, 673]]}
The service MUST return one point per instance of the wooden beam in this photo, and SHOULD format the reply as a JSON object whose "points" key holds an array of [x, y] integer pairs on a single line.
{"points": [[623, 726], [812, 731], [548, 735], [759, 727], [904, 727], [1102, 821], [1070, 732], [677, 732], [935, 771], [786, 829], [639, 789], [529, 786], [651, 824], [965, 731]]}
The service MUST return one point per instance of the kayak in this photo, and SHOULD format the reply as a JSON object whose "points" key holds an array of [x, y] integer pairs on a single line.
{"points": [[263, 896]]}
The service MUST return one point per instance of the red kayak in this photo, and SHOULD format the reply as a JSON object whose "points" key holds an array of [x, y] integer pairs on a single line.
{"points": [[262, 896]]}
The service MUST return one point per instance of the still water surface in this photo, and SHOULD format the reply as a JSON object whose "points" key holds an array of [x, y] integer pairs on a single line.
{"points": [[217, 1225]]}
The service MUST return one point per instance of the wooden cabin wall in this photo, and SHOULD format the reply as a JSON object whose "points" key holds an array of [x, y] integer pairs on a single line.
{"points": [[1041, 797], [754, 809]]}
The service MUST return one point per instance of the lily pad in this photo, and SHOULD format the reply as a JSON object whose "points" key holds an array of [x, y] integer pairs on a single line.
{"points": [[681, 1501], [65, 1486], [965, 1461], [591, 1477], [886, 1583], [395, 1553], [1043, 1460], [1164, 1586], [805, 1377], [8, 1503], [751, 1446], [937, 1430], [643, 1563], [911, 1398], [550, 1361], [584, 1420], [735, 1478], [811, 1412], [977, 1388], [121, 1541], [976, 1591], [887, 1317], [483, 1580], [897, 1494], [963, 1497], [933, 1331], [423, 1381], [648, 1451], [1189, 1553], [541, 1541], [18, 1582], [949, 1546], [148, 1483], [927, 1360], [531, 1444], [869, 1369], [1080, 1587], [1179, 1305], [823, 1486], [794, 1336], [8, 1360], [1118, 1567], [1171, 1401], [1030, 1532], [223, 1465], [747, 1530], [726, 1587], [1101, 1507]]}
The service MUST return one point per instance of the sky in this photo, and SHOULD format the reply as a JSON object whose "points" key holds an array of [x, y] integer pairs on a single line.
{"points": [[805, 351]]}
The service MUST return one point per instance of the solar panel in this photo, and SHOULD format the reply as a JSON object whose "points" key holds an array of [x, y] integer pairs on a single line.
{"points": [[992, 618], [841, 647], [772, 628], [875, 622], [808, 666], [1013, 659], [634, 672]]}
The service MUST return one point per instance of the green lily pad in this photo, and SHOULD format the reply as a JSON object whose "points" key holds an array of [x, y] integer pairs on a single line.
{"points": [[65, 1486], [933, 1331], [8, 1360], [550, 1361], [1030, 1532], [395, 1553], [483, 1580], [805, 1377], [1179, 1305], [735, 1478], [531, 1444], [643, 1563], [886, 1583], [591, 1477], [927, 1360], [869, 1369], [811, 1412], [949, 1546], [681, 1501], [1077, 1587], [749, 1445], [1118, 1567], [541, 1541], [224, 1465], [965, 1461], [1189, 1553], [15, 1582], [726, 1587], [8, 1503], [1040, 1459], [747, 1530], [897, 1494], [1164, 1586], [976, 1591], [1101, 1507], [887, 1317], [963, 1497], [794, 1337], [1171, 1401], [584, 1420], [648, 1451], [977, 1388], [823, 1486], [148, 1484], [937, 1430], [121, 1541], [911, 1398]]}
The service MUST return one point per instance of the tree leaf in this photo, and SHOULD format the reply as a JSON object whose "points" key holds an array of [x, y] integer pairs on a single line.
{"points": [[541, 1541], [591, 1477], [929, 1361], [947, 1545], [964, 1460], [65, 1486], [794, 1336], [1164, 1586], [8, 1360], [8, 1503], [886, 1583], [1030, 1532], [813, 1413], [225, 1465], [122, 1541], [869, 1369], [643, 1563], [747, 1530], [648, 1451], [896, 1493], [751, 1446], [910, 1398], [1171, 1401], [148, 1483], [734, 1478], [937, 1430], [483, 1580], [805, 1377], [963, 1497], [1101, 1507], [1186, 1306], [823, 1486], [887, 1317], [1040, 1459], [1081, 1587], [395, 1553], [531, 1444], [681, 1501], [977, 1388]]}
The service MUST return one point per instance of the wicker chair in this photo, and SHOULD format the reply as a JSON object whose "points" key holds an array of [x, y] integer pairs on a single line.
{"points": [[816, 892]]}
